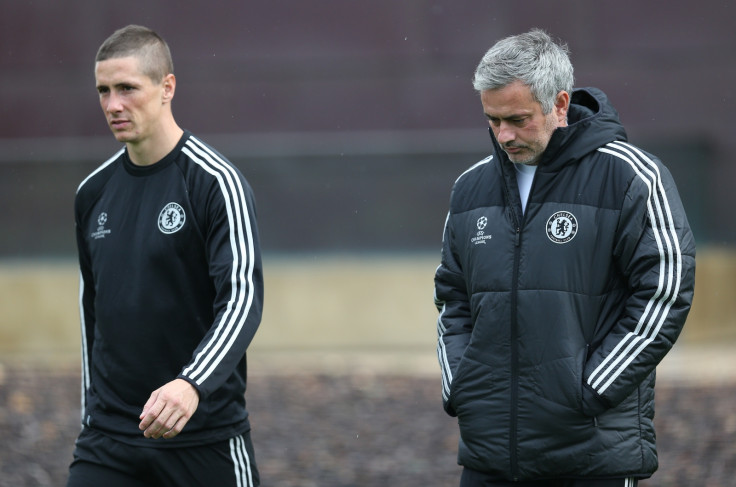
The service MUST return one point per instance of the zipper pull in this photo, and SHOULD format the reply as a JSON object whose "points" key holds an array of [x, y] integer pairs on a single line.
{"points": [[518, 236]]}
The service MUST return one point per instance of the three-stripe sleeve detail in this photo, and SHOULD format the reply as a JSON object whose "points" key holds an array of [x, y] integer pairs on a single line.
{"points": [[82, 318], [442, 350], [669, 270], [85, 351], [101, 167], [242, 246], [442, 306], [474, 167]]}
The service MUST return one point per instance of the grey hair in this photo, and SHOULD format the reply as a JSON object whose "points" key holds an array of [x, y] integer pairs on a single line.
{"points": [[532, 58]]}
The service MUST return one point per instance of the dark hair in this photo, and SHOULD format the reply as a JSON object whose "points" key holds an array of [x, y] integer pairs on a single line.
{"points": [[143, 43]]}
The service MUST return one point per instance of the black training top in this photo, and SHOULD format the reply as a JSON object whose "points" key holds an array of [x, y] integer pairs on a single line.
{"points": [[171, 286]]}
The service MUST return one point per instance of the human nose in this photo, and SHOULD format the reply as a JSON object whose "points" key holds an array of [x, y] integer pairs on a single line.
{"points": [[504, 133], [111, 103]]}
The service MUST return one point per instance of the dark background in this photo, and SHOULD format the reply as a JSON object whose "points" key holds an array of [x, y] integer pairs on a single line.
{"points": [[351, 119]]}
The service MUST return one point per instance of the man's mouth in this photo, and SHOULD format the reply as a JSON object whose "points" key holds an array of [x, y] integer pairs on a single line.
{"points": [[118, 123]]}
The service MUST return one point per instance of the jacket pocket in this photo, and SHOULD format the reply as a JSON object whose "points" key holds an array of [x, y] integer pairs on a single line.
{"points": [[473, 378], [462, 370], [480, 401], [561, 380], [474, 384]]}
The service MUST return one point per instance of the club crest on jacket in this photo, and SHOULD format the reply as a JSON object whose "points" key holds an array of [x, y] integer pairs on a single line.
{"points": [[562, 227]]}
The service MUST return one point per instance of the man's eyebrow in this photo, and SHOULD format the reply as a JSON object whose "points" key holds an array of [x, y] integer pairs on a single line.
{"points": [[509, 117], [119, 84]]}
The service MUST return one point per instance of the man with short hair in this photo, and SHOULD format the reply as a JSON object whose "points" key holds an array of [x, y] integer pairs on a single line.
{"points": [[171, 290], [567, 273]]}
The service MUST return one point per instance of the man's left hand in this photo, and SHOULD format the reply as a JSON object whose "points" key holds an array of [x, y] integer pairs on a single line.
{"points": [[169, 409]]}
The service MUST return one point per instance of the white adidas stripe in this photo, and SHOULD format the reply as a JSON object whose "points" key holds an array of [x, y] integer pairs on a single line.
{"points": [[474, 166], [101, 167], [442, 354], [85, 356], [441, 306], [670, 270], [241, 241], [241, 462]]}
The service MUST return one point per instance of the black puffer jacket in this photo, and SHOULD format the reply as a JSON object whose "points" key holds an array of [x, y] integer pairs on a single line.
{"points": [[552, 322]]}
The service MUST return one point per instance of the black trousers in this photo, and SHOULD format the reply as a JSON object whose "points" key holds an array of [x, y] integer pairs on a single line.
{"points": [[101, 461], [473, 478]]}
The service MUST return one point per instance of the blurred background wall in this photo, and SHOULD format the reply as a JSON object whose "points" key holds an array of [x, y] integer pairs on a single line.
{"points": [[351, 120]]}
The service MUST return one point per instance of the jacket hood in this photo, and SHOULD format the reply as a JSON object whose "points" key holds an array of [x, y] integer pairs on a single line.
{"points": [[592, 123]]}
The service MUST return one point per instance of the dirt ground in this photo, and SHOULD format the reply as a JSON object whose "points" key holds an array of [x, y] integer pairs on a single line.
{"points": [[351, 430]]}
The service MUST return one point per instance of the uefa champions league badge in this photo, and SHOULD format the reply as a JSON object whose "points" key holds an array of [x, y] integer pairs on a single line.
{"points": [[480, 236], [101, 231]]}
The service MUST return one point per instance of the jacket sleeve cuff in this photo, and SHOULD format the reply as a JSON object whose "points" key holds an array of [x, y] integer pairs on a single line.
{"points": [[449, 409], [201, 393], [593, 404]]}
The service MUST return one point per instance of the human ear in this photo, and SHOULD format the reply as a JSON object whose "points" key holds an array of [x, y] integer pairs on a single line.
{"points": [[169, 87], [562, 104]]}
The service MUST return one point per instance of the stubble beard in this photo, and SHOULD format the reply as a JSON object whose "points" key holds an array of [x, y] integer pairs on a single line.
{"points": [[531, 158]]}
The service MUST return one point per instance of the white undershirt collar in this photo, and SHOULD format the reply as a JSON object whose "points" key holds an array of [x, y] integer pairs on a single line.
{"points": [[524, 176]]}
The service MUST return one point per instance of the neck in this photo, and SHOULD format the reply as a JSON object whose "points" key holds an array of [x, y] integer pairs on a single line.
{"points": [[154, 148]]}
